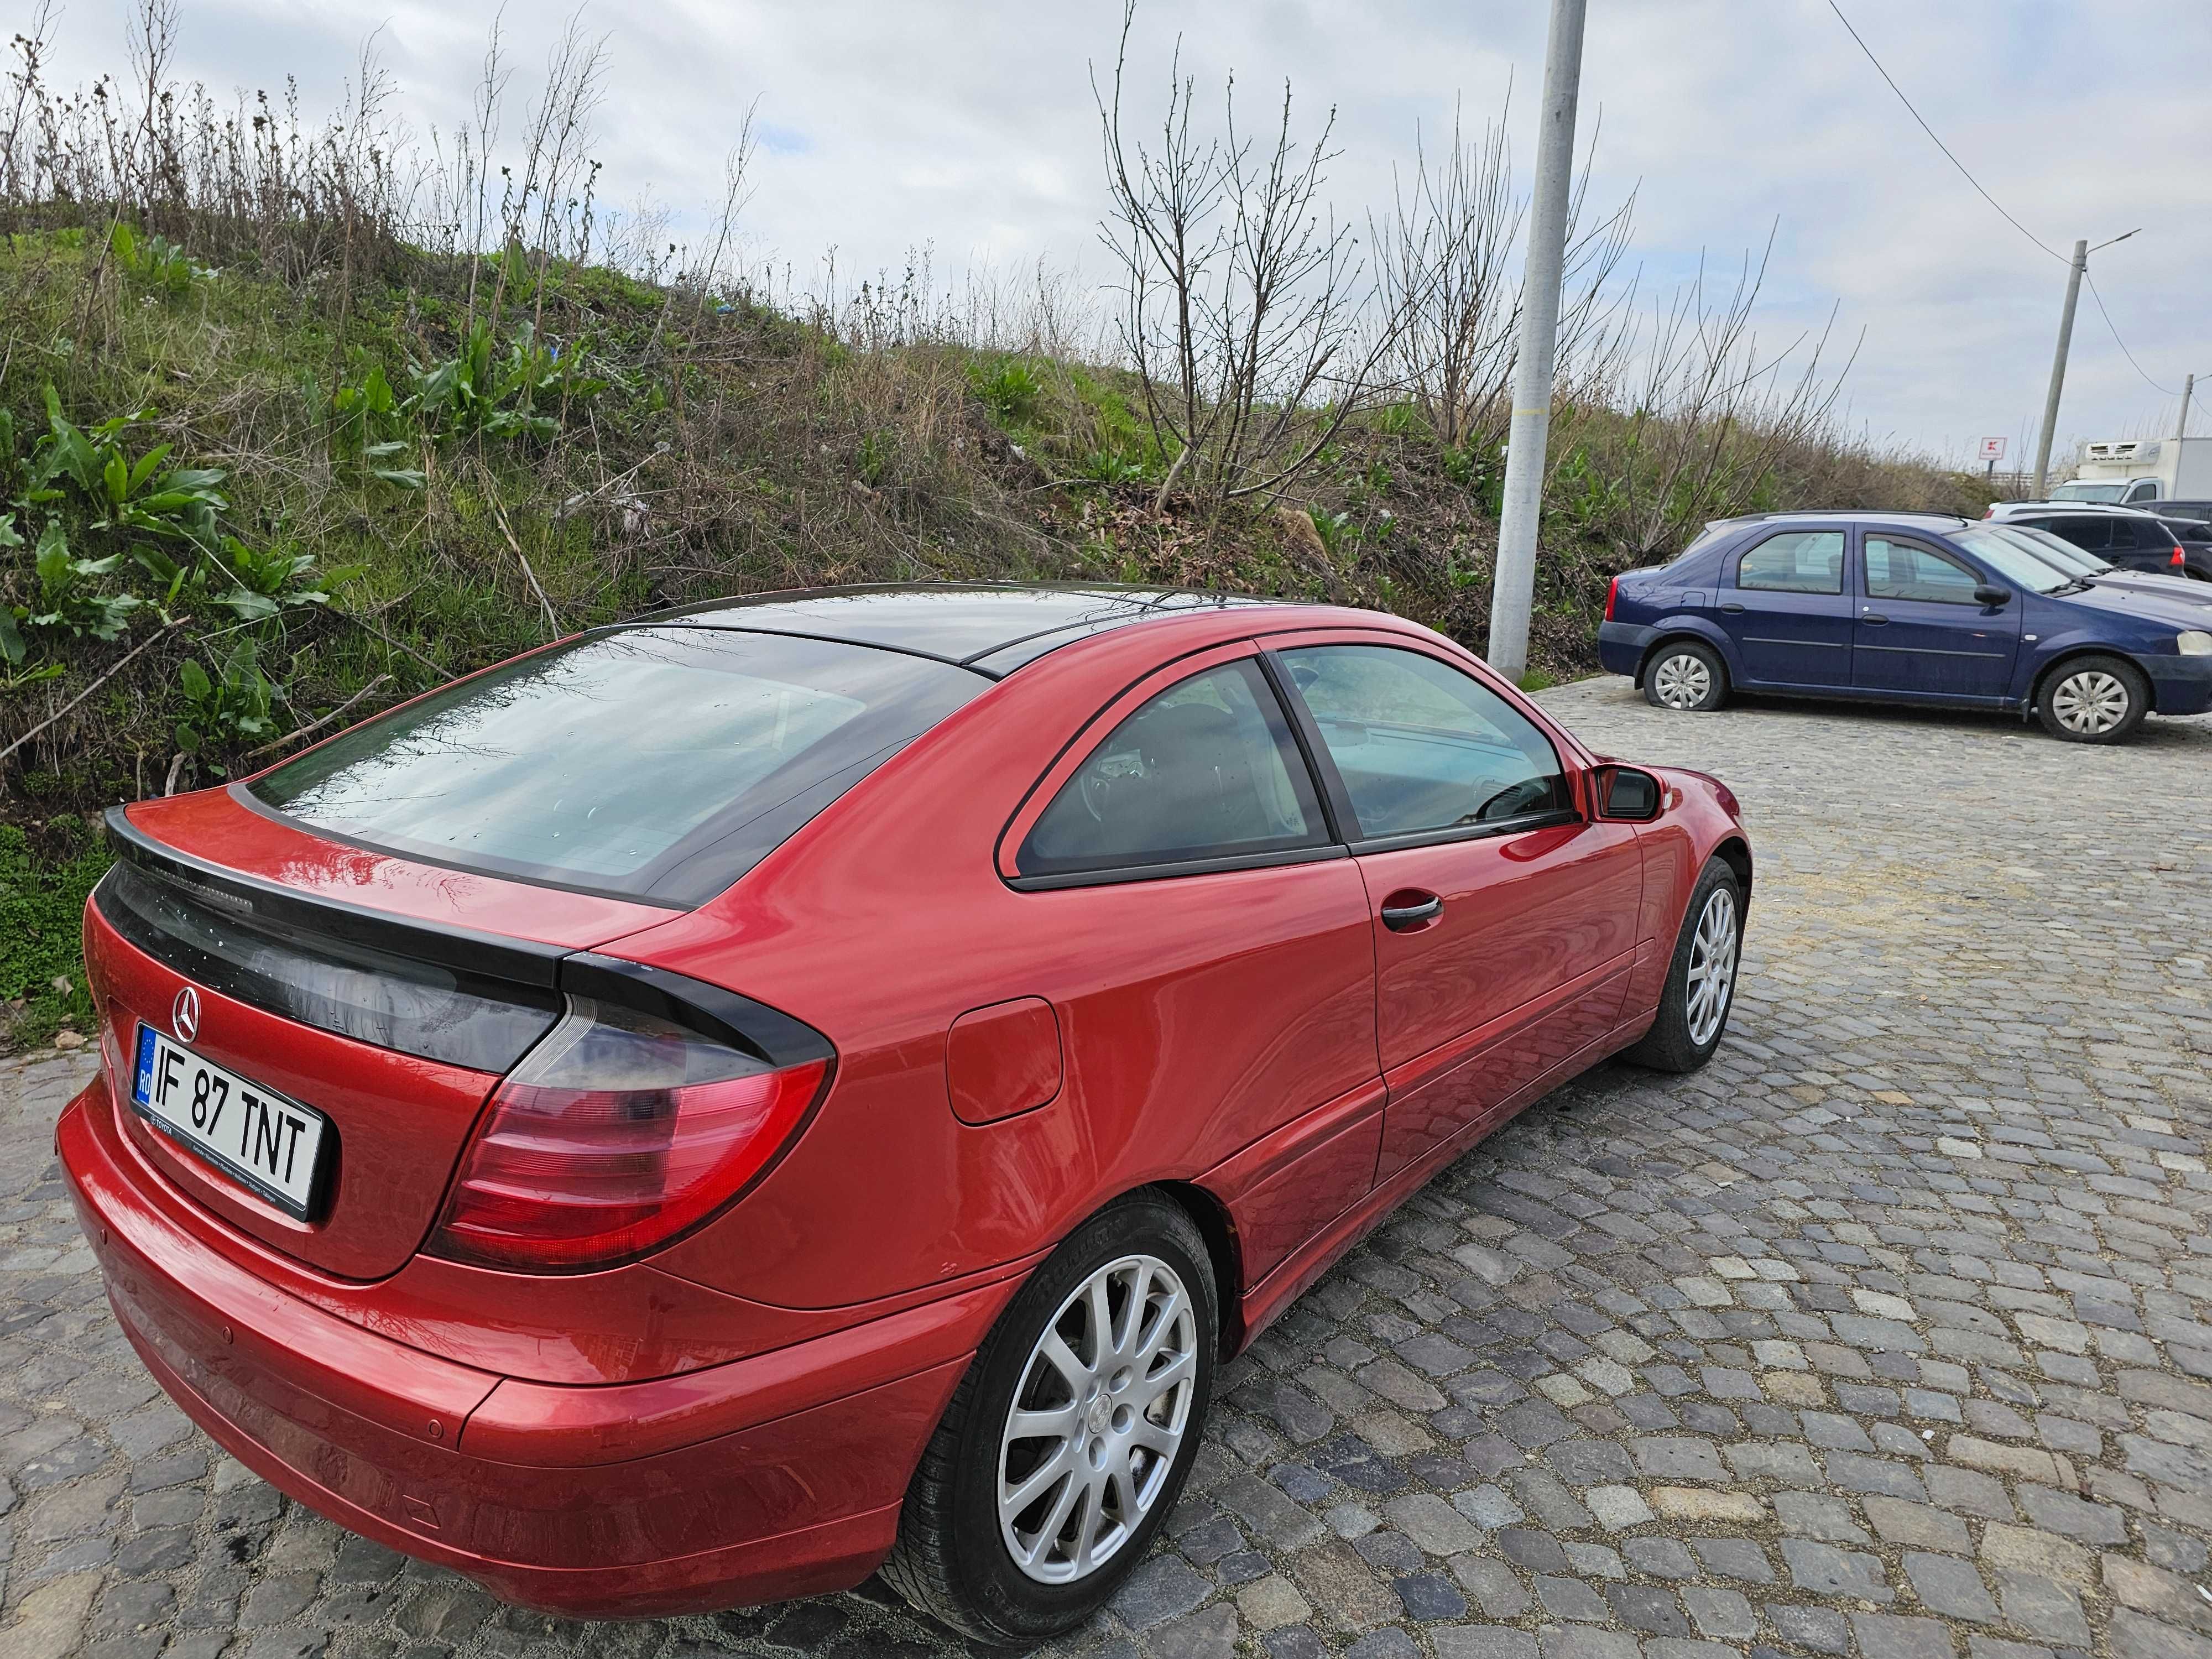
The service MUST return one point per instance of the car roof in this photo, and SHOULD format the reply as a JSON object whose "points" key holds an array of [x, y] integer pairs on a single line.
{"points": [[992, 627], [2072, 509], [1854, 515]]}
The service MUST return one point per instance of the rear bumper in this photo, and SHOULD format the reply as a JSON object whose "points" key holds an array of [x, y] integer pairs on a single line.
{"points": [[1621, 646], [765, 1478], [2179, 685]]}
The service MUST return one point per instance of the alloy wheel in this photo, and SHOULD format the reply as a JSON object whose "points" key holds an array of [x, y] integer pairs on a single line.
{"points": [[1712, 967], [1682, 681], [1096, 1420], [2092, 703]]}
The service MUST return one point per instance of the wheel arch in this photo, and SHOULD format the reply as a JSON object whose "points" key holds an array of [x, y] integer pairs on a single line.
{"points": [[2075, 652], [1218, 1229], [1735, 852]]}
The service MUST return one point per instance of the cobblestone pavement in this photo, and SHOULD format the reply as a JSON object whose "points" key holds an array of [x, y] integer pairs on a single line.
{"points": [[1889, 1333]]}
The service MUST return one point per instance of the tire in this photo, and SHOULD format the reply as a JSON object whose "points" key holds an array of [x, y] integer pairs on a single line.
{"points": [[2093, 699], [1689, 1029], [954, 1559], [1686, 675]]}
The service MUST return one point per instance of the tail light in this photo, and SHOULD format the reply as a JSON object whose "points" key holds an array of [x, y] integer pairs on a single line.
{"points": [[616, 1134], [2179, 559], [1611, 595], [1990, 511]]}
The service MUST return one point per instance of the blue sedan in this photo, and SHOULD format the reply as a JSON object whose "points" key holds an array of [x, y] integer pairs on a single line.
{"points": [[1895, 607]]}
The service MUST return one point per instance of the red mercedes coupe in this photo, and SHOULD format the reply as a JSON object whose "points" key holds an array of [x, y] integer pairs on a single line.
{"points": [[803, 1084]]}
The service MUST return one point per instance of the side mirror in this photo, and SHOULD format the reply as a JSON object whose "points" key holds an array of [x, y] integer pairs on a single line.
{"points": [[1623, 792], [1990, 594]]}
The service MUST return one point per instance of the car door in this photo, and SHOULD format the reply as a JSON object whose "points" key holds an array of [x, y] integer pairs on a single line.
{"points": [[1212, 976], [1504, 918], [1922, 630], [1781, 600]]}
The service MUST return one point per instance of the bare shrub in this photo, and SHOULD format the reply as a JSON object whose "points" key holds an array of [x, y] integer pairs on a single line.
{"points": [[1242, 298], [1697, 425], [1445, 261]]}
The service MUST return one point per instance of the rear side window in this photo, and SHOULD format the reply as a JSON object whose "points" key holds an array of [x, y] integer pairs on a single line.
{"points": [[1801, 562], [1207, 770], [2089, 530], [1419, 745], [656, 763], [1906, 570]]}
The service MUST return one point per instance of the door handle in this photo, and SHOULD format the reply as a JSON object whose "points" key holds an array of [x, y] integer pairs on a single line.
{"points": [[1733, 609], [1874, 619], [1404, 918]]}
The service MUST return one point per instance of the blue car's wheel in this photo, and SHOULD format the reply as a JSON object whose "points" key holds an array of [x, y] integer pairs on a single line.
{"points": [[2094, 699], [1685, 675]]}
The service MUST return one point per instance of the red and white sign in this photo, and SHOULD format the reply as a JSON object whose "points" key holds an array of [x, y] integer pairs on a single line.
{"points": [[1993, 449]]}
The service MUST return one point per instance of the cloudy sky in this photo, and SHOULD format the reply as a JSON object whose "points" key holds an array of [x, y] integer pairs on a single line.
{"points": [[969, 124]]}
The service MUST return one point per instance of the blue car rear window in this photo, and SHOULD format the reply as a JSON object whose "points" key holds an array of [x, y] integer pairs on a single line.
{"points": [[654, 763]]}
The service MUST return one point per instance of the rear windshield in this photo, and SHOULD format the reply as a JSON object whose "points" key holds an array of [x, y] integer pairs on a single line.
{"points": [[656, 764], [2088, 492]]}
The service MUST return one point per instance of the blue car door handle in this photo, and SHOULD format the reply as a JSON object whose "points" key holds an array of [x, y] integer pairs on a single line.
{"points": [[1870, 617], [1733, 609]]}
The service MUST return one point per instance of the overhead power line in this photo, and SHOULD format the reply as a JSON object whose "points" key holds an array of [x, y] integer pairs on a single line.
{"points": [[1938, 143], [2163, 391], [2000, 207]]}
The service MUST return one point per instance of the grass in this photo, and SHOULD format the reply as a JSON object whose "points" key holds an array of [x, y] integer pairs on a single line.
{"points": [[45, 872]]}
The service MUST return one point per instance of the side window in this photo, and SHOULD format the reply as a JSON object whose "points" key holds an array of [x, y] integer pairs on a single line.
{"points": [[1906, 570], [2155, 535], [2092, 532], [1421, 746], [1800, 562], [1207, 770], [2143, 492]]}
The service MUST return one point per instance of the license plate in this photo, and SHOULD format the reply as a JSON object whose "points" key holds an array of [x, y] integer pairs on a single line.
{"points": [[271, 1144]]}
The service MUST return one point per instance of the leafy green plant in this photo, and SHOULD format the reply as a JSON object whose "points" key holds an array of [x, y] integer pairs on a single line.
{"points": [[232, 702], [1110, 468], [1011, 390], [155, 261], [145, 495], [1339, 534], [70, 596], [371, 428], [877, 449], [481, 393]]}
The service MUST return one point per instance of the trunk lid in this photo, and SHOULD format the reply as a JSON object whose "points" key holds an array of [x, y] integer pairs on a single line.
{"points": [[388, 995]]}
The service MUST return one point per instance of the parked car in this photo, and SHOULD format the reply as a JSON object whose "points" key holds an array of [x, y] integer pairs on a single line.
{"points": [[714, 1103], [2126, 536], [2062, 554], [1902, 608]]}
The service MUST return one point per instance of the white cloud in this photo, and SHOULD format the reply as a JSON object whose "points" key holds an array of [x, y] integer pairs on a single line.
{"points": [[969, 124]]}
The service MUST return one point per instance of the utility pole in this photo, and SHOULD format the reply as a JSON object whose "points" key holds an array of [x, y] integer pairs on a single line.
{"points": [[2181, 425], [1514, 583], [2075, 267]]}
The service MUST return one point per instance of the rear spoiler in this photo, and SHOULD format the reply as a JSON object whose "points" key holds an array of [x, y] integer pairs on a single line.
{"points": [[722, 1015]]}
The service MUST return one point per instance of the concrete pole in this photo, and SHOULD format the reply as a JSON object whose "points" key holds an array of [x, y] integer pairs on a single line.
{"points": [[2181, 425], [1513, 588], [2073, 271]]}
